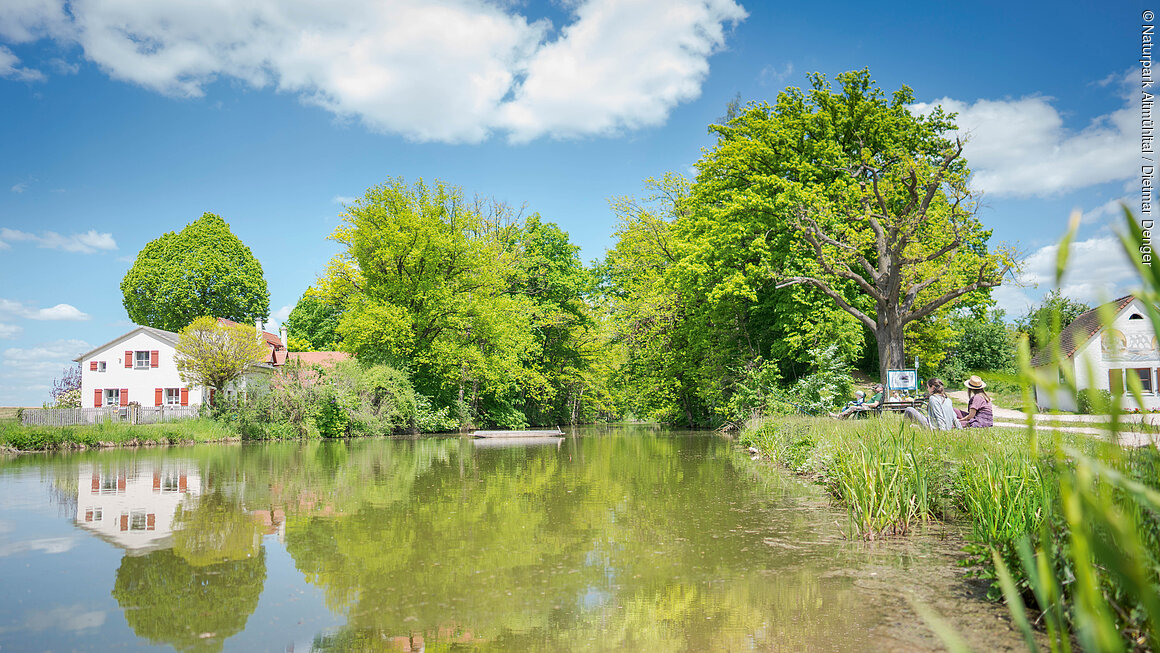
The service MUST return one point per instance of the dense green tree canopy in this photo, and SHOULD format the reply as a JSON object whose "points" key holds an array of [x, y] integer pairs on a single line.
{"points": [[204, 269], [851, 194], [1043, 322], [313, 324], [484, 310]]}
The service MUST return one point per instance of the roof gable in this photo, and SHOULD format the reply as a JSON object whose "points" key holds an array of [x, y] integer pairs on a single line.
{"points": [[1080, 331], [161, 335]]}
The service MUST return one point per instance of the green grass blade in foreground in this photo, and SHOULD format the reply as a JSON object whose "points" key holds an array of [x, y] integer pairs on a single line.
{"points": [[1014, 601], [945, 631]]}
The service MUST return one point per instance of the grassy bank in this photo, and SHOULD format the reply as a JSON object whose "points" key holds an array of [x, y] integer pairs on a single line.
{"points": [[1021, 500], [113, 434]]}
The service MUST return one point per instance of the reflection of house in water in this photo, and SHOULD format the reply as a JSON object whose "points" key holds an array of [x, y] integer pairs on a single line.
{"points": [[133, 508]]}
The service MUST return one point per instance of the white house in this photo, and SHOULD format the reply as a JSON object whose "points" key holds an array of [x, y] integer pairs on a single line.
{"points": [[1103, 357], [141, 367]]}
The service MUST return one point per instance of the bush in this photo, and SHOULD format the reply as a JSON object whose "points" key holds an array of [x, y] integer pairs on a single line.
{"points": [[332, 420], [1093, 401]]}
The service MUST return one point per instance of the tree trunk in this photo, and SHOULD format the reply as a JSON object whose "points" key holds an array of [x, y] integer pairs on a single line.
{"points": [[891, 355]]}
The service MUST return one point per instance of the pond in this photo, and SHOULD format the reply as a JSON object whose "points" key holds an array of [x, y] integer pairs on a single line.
{"points": [[612, 539]]}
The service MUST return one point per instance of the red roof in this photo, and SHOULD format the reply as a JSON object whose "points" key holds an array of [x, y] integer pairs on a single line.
{"points": [[1081, 329], [325, 358]]}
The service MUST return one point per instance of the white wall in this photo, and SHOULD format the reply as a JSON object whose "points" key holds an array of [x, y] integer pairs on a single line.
{"points": [[141, 383], [134, 508], [1128, 344]]}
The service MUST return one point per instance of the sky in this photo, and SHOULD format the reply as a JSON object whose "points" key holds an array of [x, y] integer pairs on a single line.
{"points": [[121, 120]]}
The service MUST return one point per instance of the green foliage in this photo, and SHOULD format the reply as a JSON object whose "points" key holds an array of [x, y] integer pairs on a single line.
{"points": [[332, 420], [984, 344], [201, 270], [313, 324], [213, 354], [483, 312], [827, 386], [40, 438], [191, 607], [1093, 401], [1043, 322]]}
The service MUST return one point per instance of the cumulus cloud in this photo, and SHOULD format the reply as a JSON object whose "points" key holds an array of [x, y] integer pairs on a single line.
{"points": [[9, 331], [66, 312], [10, 68], [280, 316], [1098, 270], [1021, 148], [343, 199], [86, 243], [431, 70]]}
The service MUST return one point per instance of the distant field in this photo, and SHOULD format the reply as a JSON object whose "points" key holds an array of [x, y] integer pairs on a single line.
{"points": [[8, 413]]}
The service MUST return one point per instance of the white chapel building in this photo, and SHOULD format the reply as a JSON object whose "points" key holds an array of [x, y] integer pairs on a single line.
{"points": [[1105, 357]]}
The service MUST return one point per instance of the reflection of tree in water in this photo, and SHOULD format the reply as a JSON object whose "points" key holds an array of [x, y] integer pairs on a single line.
{"points": [[167, 600], [201, 592], [214, 529], [632, 544]]}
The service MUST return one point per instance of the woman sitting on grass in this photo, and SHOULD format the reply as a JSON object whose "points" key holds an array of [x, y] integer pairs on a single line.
{"points": [[940, 414], [979, 413]]}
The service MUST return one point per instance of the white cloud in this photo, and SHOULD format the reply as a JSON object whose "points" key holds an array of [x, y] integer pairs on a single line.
{"points": [[1020, 148], [10, 68], [343, 199], [1097, 270], [280, 316], [438, 70], [65, 312], [20, 187], [86, 243], [9, 331], [1112, 211], [66, 349]]}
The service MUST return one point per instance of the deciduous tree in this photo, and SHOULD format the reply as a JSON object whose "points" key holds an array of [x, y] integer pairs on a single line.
{"points": [[862, 200], [204, 269], [213, 354]]}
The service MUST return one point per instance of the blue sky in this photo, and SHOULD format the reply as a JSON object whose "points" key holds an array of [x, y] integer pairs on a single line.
{"points": [[124, 119]]}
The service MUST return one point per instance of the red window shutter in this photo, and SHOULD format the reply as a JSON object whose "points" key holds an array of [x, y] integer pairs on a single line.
{"points": [[185, 396], [128, 359], [124, 522], [124, 396], [96, 483], [150, 522], [156, 481], [182, 484], [97, 398], [157, 396], [92, 366], [154, 358]]}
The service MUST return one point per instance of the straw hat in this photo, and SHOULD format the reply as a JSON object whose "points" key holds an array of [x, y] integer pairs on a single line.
{"points": [[975, 383]]}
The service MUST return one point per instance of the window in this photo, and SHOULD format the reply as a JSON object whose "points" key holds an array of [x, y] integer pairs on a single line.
{"points": [[137, 520], [1136, 316], [1145, 376], [173, 396], [100, 366], [112, 397], [140, 359]]}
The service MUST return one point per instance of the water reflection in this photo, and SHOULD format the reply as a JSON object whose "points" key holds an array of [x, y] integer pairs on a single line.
{"points": [[625, 542], [133, 507]]}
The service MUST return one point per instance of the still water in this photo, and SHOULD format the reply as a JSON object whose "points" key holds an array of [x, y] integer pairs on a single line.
{"points": [[624, 539]]}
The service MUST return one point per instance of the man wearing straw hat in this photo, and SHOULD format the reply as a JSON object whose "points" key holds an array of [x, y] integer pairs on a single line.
{"points": [[979, 413]]}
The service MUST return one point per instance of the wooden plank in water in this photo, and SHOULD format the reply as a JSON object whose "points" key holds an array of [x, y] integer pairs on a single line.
{"points": [[518, 434]]}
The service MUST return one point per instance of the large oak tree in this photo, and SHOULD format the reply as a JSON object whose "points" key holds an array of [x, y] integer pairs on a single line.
{"points": [[856, 196]]}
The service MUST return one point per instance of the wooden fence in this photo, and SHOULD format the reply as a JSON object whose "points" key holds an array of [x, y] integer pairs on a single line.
{"points": [[127, 414]]}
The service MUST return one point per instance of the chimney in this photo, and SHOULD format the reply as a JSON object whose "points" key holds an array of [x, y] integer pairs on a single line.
{"points": [[258, 327], [285, 333]]}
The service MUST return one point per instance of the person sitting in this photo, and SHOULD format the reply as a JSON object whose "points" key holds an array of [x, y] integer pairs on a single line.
{"points": [[940, 414], [859, 399], [979, 413], [874, 402]]}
